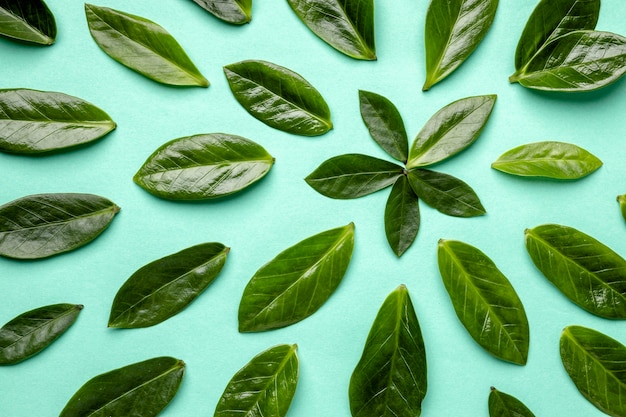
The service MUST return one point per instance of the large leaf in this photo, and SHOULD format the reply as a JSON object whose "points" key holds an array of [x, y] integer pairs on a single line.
{"points": [[143, 46], [203, 167], [390, 378], [297, 282], [502, 404], [264, 387], [589, 273], [28, 21], [484, 300], [346, 25], [402, 216], [162, 288], [141, 389], [34, 121], [279, 97], [42, 225], [32, 331], [236, 12]]}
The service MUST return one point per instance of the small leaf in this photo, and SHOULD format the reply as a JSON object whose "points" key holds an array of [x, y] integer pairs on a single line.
{"points": [[484, 301], [402, 216], [502, 404], [384, 124], [297, 282], [589, 273], [265, 386], [236, 12], [203, 167], [143, 46], [279, 97], [27, 21], [162, 288], [390, 378], [141, 389], [621, 199], [31, 332], [42, 225]]}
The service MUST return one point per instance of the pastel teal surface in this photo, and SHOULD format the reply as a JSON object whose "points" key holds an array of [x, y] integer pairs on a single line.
{"points": [[282, 209]]}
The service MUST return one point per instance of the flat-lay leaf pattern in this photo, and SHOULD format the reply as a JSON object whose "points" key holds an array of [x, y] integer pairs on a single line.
{"points": [[297, 282], [502, 404], [402, 216], [621, 199], [236, 12], [385, 124], [27, 21]]}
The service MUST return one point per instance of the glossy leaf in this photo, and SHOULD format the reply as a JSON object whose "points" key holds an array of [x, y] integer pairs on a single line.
{"points": [[42, 225], [390, 378], [402, 216], [297, 282], [203, 167], [33, 122], [384, 124], [279, 97], [27, 21], [596, 363], [621, 199], [143, 46], [236, 12], [32, 331], [346, 25], [484, 301], [502, 404], [453, 31], [586, 271], [162, 288], [265, 386], [142, 389]]}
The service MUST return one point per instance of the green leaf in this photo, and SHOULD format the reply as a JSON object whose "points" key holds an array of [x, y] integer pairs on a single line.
{"points": [[450, 130], [596, 364], [27, 21], [390, 378], [402, 216], [484, 300], [42, 225], [141, 389], [557, 160], [34, 121], [279, 97], [162, 288], [203, 167], [265, 386], [236, 12], [32, 331], [589, 273], [502, 404], [297, 282], [143, 46], [621, 199], [346, 25], [454, 28]]}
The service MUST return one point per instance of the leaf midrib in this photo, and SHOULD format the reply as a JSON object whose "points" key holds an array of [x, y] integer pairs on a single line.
{"points": [[221, 163], [114, 209], [447, 193], [34, 30]]}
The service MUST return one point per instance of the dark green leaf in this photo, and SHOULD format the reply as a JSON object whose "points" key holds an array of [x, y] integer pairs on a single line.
{"points": [[505, 405], [236, 12], [42, 225], [279, 97], [385, 124], [203, 167], [346, 25], [34, 121], [141, 389], [162, 288], [390, 378], [31, 332], [621, 199], [402, 216], [265, 386], [28, 21], [484, 300], [589, 273], [297, 282], [143, 46]]}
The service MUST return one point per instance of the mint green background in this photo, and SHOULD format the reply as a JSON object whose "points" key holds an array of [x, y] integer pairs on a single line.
{"points": [[281, 210]]}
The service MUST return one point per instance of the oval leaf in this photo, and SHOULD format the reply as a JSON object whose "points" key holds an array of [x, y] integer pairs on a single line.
{"points": [[42, 225], [502, 404], [297, 282], [27, 21], [402, 216], [236, 12], [384, 124], [589, 273], [203, 167], [143, 46]]}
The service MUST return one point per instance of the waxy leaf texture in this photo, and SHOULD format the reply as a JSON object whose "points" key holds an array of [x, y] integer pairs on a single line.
{"points": [[402, 216], [502, 404], [236, 12], [27, 21], [385, 124]]}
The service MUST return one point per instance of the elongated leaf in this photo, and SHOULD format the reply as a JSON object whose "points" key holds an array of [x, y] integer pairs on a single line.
{"points": [[390, 378], [385, 124], [557, 160], [453, 30], [265, 386], [484, 300], [297, 282], [162, 288], [203, 167], [27, 21], [143, 46], [236, 12], [42, 225], [586, 271], [502, 404], [346, 25], [402, 216], [621, 199], [32, 331], [141, 389], [279, 97], [33, 122], [450, 130], [596, 363]]}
